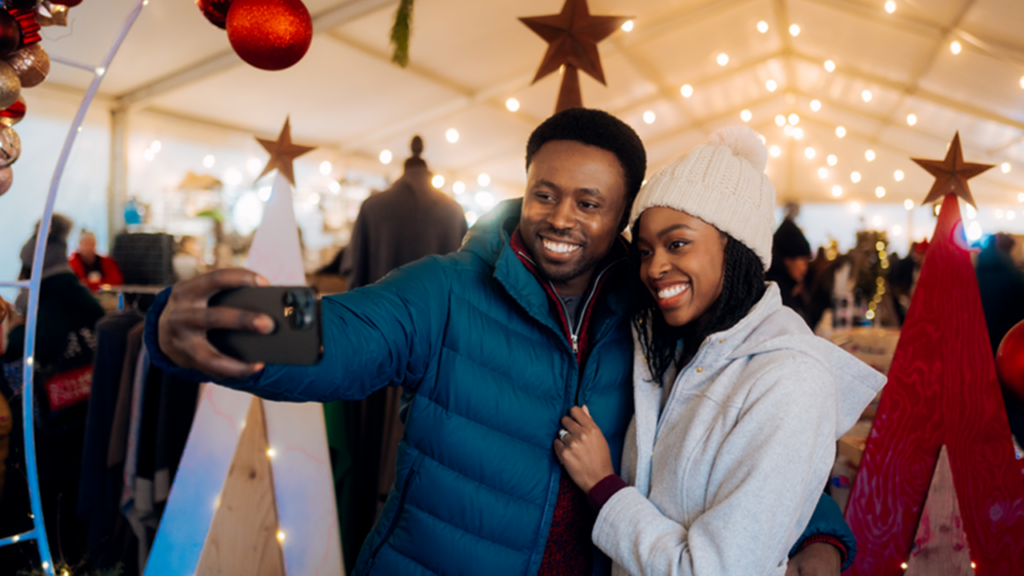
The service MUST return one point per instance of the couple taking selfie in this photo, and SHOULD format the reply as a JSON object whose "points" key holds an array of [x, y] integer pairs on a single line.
{"points": [[575, 402]]}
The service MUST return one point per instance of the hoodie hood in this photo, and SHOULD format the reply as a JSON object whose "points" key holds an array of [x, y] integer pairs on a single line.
{"points": [[772, 327]]}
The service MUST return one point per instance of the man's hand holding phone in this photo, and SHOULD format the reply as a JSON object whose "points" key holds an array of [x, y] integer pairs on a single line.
{"points": [[188, 317]]}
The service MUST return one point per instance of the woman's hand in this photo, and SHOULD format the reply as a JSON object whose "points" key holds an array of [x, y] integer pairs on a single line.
{"points": [[582, 449]]}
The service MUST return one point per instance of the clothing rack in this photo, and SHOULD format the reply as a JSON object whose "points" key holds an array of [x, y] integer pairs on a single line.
{"points": [[38, 532]]}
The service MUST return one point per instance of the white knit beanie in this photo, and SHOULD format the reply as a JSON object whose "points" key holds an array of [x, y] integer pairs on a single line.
{"points": [[723, 183]]}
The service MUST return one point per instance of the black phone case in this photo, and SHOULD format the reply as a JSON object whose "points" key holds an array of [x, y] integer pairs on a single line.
{"points": [[288, 344]]}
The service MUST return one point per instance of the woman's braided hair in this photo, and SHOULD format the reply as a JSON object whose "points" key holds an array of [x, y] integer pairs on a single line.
{"points": [[742, 287]]}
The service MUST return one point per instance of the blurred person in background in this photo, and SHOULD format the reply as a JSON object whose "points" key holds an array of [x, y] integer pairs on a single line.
{"points": [[91, 268], [1001, 285], [791, 257]]}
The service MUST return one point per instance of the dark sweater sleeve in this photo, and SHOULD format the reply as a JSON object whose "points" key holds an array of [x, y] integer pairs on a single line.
{"points": [[604, 490]]}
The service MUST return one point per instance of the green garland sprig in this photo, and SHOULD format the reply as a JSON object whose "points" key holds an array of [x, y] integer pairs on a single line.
{"points": [[400, 33]]}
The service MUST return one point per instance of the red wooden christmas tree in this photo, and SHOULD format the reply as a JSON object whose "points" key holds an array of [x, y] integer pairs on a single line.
{"points": [[942, 390]]}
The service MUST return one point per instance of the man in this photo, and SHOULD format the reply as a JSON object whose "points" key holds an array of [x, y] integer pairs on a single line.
{"points": [[493, 345], [91, 268]]}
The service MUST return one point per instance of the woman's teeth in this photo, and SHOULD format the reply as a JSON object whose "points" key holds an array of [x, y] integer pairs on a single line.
{"points": [[560, 247], [666, 293]]}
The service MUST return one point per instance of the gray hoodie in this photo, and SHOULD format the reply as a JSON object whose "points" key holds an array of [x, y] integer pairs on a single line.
{"points": [[725, 477]]}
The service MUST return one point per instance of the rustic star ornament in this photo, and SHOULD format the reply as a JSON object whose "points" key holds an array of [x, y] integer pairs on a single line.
{"points": [[282, 153], [572, 38], [952, 174]]}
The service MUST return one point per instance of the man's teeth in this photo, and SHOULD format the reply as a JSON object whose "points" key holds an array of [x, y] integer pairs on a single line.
{"points": [[560, 247], [671, 291]]}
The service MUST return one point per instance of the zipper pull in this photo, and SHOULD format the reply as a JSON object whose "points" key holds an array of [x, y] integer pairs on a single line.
{"points": [[575, 344]]}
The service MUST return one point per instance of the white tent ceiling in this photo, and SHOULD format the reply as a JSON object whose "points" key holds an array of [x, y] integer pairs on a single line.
{"points": [[469, 57]]}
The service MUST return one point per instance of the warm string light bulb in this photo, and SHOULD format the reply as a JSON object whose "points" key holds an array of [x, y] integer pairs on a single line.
{"points": [[794, 30], [830, 66], [627, 26], [512, 105], [794, 119], [746, 115], [452, 135], [686, 90], [1022, 81], [890, 7], [385, 157], [880, 192], [866, 95], [780, 120], [832, 160], [823, 173], [840, 132], [837, 190], [771, 85], [815, 105], [810, 153], [955, 47], [775, 151], [898, 175], [798, 133], [908, 204], [1005, 167], [722, 59], [911, 119], [437, 181], [869, 155], [649, 117], [762, 26], [855, 177], [483, 180]]}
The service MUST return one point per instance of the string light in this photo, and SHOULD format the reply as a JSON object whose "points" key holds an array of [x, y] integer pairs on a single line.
{"points": [[325, 167], [280, 536], [627, 26], [208, 161], [1022, 81], [890, 7], [794, 30], [1010, 215], [869, 155], [746, 115], [855, 177], [898, 175], [385, 157], [1020, 197], [459, 187], [798, 133], [822, 172], [780, 120], [855, 207], [723, 59], [762, 26], [452, 135], [794, 119], [911, 119], [437, 181], [271, 452], [815, 105], [1005, 167], [880, 192], [840, 131], [955, 47], [771, 85], [686, 90], [832, 160], [866, 95], [787, 130], [908, 204], [649, 117], [512, 105], [877, 222], [837, 190], [809, 152], [775, 151], [483, 180], [830, 66]]}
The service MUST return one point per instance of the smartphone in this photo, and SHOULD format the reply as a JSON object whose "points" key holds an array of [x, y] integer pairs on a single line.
{"points": [[296, 338]]}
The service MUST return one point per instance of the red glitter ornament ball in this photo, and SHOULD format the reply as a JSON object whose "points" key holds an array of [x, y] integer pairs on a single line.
{"points": [[216, 11], [1010, 360], [270, 34]]}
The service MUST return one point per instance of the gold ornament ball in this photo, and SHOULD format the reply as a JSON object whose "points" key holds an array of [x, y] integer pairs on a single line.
{"points": [[6, 179], [31, 63], [10, 85], [10, 146]]}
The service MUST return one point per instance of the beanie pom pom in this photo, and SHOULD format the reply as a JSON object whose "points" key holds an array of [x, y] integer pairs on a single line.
{"points": [[744, 142]]}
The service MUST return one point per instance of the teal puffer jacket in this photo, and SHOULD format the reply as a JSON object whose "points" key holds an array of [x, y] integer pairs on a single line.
{"points": [[487, 373]]}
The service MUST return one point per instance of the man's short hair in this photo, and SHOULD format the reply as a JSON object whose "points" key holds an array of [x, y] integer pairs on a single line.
{"points": [[600, 129]]}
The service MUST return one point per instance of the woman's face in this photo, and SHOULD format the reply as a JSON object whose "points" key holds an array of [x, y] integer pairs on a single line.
{"points": [[681, 263]]}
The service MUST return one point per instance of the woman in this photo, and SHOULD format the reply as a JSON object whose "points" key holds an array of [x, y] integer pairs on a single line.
{"points": [[738, 405]]}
